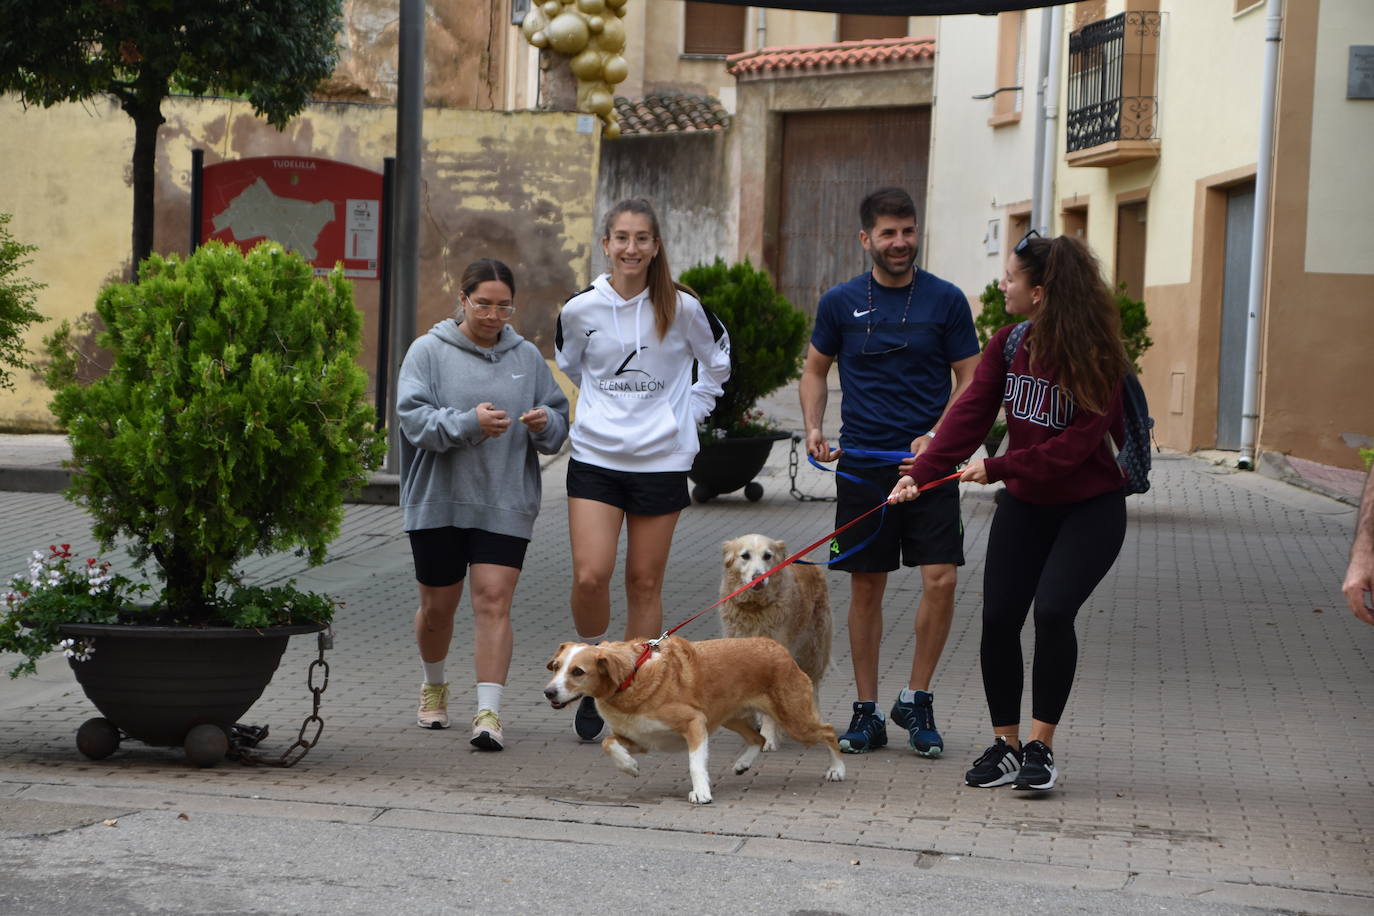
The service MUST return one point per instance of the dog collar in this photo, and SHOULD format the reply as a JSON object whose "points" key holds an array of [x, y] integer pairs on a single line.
{"points": [[650, 648]]}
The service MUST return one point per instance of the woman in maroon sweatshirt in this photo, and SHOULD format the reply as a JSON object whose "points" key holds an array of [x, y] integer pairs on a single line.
{"points": [[1060, 525]]}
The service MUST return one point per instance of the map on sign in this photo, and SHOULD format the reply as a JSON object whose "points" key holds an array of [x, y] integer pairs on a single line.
{"points": [[330, 213], [258, 213]]}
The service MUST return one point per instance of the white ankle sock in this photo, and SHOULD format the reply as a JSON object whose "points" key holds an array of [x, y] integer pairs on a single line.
{"points": [[489, 696], [909, 696], [434, 671], [593, 640]]}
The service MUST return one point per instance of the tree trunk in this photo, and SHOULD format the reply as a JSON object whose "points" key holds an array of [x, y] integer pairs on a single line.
{"points": [[184, 576], [147, 119]]}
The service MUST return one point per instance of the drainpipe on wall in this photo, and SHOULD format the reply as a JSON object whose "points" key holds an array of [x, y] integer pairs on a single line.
{"points": [[1259, 248], [761, 28], [1041, 79], [1051, 132]]}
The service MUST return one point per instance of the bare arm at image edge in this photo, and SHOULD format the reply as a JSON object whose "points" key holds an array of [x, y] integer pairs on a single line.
{"points": [[1359, 577]]}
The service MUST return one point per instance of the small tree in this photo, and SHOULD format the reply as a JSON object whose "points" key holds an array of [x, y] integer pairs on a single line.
{"points": [[1134, 323], [766, 338], [16, 302], [233, 420], [271, 52], [994, 313]]}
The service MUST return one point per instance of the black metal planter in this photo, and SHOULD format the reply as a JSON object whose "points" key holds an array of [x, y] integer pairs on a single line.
{"points": [[174, 686], [729, 464]]}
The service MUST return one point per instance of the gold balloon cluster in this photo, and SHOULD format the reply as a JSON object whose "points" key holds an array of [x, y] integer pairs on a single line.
{"points": [[591, 34]]}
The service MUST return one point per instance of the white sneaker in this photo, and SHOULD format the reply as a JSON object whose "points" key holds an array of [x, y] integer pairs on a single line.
{"points": [[486, 731], [433, 706]]}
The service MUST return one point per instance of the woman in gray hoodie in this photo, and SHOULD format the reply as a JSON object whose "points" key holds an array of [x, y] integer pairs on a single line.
{"points": [[476, 404]]}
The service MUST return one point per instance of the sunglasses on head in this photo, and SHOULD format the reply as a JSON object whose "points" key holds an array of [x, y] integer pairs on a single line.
{"points": [[1025, 241]]}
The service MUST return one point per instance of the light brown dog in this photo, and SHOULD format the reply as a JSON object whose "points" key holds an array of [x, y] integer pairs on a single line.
{"points": [[686, 690], [791, 606]]}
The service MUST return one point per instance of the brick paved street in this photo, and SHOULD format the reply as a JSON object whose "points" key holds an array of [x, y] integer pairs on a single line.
{"points": [[1217, 741]]}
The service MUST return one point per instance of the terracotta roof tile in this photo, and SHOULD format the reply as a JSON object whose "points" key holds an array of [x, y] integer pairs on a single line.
{"points": [[667, 113], [840, 57]]}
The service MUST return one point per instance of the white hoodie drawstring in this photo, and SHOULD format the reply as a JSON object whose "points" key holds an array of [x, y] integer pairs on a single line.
{"points": [[615, 316], [639, 304]]}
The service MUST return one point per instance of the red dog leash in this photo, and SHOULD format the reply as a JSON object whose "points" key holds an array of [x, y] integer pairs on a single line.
{"points": [[652, 644]]}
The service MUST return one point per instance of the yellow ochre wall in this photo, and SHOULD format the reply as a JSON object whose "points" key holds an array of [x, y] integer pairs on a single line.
{"points": [[519, 186]]}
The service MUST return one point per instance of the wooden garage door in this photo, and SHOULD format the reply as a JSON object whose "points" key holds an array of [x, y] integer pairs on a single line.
{"points": [[830, 160]]}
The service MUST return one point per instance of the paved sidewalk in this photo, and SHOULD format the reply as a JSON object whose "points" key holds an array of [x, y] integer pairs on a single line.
{"points": [[1219, 743]]}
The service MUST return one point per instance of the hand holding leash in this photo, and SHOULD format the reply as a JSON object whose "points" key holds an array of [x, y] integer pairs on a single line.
{"points": [[818, 448], [905, 490], [976, 472]]}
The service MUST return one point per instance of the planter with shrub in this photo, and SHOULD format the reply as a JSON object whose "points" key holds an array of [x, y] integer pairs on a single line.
{"points": [[767, 336], [232, 421]]}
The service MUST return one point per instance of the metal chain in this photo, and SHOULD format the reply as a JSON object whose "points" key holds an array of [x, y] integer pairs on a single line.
{"points": [[302, 745], [793, 465]]}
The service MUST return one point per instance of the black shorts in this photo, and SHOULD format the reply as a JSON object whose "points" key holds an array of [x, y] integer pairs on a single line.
{"points": [[925, 531], [634, 492], [442, 555]]}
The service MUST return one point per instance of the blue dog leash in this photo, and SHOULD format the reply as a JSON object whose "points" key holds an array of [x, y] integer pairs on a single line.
{"points": [[891, 456]]}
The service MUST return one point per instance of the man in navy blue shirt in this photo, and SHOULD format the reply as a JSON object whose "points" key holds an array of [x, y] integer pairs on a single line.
{"points": [[906, 347]]}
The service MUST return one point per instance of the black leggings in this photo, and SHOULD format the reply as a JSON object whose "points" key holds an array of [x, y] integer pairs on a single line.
{"points": [[1054, 555]]}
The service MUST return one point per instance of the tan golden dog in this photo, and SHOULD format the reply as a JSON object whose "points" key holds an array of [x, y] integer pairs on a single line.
{"points": [[686, 690], [791, 606]]}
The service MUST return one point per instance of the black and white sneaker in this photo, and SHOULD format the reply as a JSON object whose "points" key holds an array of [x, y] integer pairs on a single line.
{"points": [[588, 722], [998, 766], [1037, 767]]}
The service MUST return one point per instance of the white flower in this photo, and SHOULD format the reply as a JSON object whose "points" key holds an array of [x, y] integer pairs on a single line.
{"points": [[79, 650]]}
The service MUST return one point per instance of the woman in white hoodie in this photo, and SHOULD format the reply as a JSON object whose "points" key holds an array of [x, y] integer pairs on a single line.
{"points": [[629, 342]]}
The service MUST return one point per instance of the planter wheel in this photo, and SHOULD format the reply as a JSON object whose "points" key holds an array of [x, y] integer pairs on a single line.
{"points": [[206, 744], [702, 493], [97, 738], [753, 491]]}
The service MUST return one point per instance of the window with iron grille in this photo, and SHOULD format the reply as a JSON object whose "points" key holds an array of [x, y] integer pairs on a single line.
{"points": [[518, 9], [1111, 92]]}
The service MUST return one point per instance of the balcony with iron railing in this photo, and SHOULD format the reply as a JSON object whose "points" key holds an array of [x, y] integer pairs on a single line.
{"points": [[1113, 106]]}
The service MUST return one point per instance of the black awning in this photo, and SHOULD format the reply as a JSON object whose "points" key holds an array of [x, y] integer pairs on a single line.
{"points": [[898, 7]]}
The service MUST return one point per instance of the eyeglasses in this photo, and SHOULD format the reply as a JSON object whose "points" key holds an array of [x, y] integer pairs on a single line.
{"points": [[867, 352], [483, 309], [1025, 241], [624, 240], [901, 328]]}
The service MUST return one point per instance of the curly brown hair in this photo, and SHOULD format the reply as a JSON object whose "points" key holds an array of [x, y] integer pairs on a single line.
{"points": [[1077, 333]]}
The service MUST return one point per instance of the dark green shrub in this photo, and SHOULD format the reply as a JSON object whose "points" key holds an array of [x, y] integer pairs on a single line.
{"points": [[16, 303], [233, 420], [993, 315], [766, 339], [1134, 323]]}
